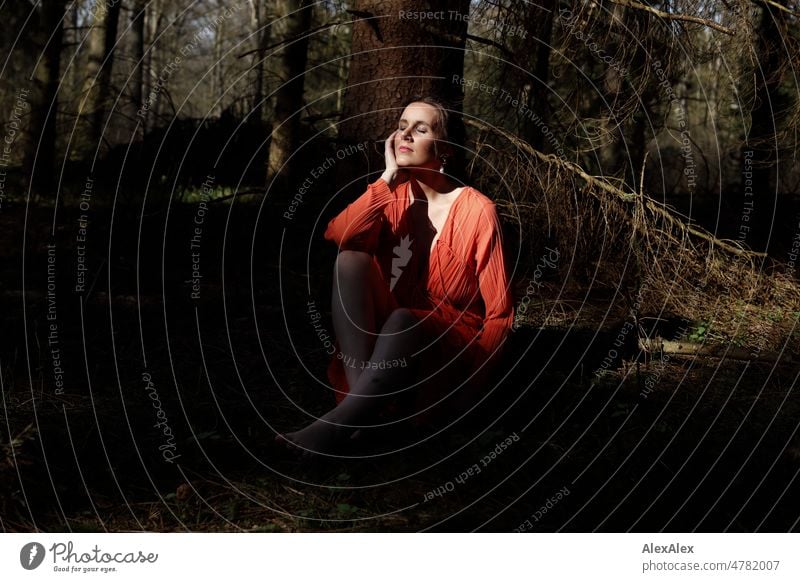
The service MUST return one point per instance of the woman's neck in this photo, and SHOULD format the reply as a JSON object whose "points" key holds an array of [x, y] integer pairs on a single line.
{"points": [[435, 185]]}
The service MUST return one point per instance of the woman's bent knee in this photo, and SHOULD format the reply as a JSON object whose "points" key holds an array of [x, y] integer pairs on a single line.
{"points": [[352, 262], [399, 319]]}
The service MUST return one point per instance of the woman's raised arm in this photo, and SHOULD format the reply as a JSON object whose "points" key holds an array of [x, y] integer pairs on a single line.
{"points": [[357, 226]]}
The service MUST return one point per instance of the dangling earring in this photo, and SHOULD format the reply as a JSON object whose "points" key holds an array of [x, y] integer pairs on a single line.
{"points": [[444, 163]]}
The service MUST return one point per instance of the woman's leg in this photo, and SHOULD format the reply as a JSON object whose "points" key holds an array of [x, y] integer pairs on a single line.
{"points": [[357, 294], [400, 338]]}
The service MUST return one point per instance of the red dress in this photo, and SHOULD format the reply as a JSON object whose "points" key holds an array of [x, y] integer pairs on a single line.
{"points": [[458, 289]]}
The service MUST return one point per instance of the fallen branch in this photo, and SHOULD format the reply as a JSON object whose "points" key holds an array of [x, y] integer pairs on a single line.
{"points": [[705, 349], [240, 193], [604, 185]]}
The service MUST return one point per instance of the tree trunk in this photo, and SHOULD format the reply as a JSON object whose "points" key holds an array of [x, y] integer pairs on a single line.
{"points": [[218, 74], [74, 37], [289, 97], [152, 26], [769, 103], [541, 21], [613, 154], [393, 59], [137, 33], [137, 79], [262, 41], [41, 151], [97, 83]]}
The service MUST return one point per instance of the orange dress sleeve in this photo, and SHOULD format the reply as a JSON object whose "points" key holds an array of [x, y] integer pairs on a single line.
{"points": [[492, 281], [358, 226]]}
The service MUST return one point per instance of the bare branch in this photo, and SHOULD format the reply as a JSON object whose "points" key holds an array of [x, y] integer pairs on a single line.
{"points": [[293, 39], [778, 6], [681, 17], [606, 186], [490, 42]]}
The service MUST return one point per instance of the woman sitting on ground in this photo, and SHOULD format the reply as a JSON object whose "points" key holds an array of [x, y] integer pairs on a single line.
{"points": [[421, 301]]}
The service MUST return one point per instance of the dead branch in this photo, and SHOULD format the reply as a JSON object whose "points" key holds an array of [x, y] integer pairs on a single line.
{"points": [[287, 41], [490, 42], [680, 17], [604, 185], [778, 6]]}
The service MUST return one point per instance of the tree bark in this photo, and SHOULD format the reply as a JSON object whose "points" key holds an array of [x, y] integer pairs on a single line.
{"points": [[394, 58]]}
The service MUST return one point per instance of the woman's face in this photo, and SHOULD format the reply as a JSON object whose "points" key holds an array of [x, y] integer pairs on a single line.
{"points": [[414, 141]]}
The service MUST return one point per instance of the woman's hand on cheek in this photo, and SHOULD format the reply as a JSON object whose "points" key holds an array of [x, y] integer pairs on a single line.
{"points": [[393, 174]]}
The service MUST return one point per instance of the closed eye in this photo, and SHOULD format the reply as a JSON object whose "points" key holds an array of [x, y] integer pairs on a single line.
{"points": [[421, 128]]}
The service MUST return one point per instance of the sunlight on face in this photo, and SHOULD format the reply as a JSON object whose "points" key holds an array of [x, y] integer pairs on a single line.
{"points": [[414, 143]]}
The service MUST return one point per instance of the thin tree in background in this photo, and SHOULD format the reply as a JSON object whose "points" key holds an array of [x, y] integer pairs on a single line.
{"points": [[260, 23], [138, 17], [292, 27], [47, 40], [770, 103], [541, 22], [97, 80]]}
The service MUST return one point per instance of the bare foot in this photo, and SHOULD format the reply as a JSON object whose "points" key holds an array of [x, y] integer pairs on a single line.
{"points": [[317, 437]]}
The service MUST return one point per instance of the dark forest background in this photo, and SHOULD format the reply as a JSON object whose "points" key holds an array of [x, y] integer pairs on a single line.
{"points": [[167, 169]]}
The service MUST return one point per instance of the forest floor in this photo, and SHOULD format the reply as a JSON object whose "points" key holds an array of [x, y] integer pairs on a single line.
{"points": [[671, 443]]}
